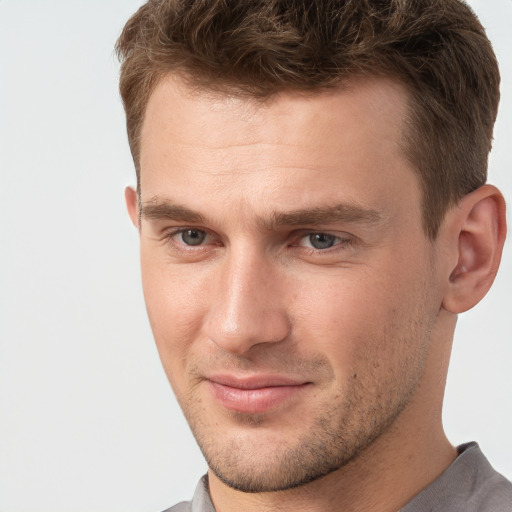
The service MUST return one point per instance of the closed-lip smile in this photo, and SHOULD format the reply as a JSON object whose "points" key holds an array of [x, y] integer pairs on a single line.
{"points": [[254, 394]]}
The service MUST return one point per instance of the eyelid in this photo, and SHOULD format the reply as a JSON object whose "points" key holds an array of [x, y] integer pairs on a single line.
{"points": [[342, 239], [171, 234]]}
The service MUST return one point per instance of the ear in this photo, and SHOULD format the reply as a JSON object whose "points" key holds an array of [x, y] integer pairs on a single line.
{"points": [[478, 229], [130, 196]]}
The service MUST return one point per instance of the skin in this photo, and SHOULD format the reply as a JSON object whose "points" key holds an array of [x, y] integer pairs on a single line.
{"points": [[235, 197]]}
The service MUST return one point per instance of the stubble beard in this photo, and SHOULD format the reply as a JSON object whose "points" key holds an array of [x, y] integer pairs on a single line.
{"points": [[323, 450], [329, 443]]}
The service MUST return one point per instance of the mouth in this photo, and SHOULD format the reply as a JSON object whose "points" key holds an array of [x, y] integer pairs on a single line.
{"points": [[256, 394]]}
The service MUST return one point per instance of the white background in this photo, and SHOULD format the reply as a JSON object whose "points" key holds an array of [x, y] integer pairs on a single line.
{"points": [[87, 420]]}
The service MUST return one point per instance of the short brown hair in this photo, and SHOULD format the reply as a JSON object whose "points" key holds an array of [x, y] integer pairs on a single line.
{"points": [[437, 48]]}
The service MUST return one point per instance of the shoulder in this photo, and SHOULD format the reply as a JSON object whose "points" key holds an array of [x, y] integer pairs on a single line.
{"points": [[470, 484], [184, 506], [481, 486], [201, 501]]}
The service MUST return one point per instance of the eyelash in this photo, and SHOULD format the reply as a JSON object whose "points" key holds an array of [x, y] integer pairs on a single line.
{"points": [[342, 242], [338, 244], [172, 235]]}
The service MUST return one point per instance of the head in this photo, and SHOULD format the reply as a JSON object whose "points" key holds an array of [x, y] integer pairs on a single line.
{"points": [[312, 216]]}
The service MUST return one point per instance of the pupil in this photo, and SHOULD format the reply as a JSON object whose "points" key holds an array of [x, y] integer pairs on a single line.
{"points": [[321, 240], [193, 236]]}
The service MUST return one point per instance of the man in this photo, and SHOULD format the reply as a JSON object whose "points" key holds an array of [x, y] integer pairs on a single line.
{"points": [[313, 215]]}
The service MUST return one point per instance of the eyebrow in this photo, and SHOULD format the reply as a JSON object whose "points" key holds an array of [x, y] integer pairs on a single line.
{"points": [[157, 209], [343, 212]]}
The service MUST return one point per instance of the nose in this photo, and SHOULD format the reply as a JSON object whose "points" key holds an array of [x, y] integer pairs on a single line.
{"points": [[247, 305]]}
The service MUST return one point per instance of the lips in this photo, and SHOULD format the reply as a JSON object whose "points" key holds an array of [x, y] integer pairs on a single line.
{"points": [[256, 394]]}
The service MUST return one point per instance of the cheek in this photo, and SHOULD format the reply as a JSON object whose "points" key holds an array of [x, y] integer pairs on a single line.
{"points": [[361, 320], [175, 299]]}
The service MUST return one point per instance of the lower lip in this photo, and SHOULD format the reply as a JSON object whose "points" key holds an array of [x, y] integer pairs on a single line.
{"points": [[254, 401]]}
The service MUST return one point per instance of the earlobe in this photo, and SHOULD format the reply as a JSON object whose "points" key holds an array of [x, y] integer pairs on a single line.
{"points": [[130, 196], [480, 234]]}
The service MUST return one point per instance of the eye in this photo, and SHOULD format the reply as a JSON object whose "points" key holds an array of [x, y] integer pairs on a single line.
{"points": [[320, 241], [192, 236]]}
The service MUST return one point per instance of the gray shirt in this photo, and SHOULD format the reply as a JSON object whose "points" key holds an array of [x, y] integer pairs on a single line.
{"points": [[470, 484]]}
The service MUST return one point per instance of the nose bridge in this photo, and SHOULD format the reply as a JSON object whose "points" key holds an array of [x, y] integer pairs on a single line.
{"points": [[247, 309]]}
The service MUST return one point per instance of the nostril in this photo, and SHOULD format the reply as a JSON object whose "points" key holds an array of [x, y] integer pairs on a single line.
{"points": [[240, 335]]}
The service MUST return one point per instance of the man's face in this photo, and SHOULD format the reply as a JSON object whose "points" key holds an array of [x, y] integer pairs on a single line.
{"points": [[288, 281]]}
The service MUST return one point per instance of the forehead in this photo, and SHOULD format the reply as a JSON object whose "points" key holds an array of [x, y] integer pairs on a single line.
{"points": [[173, 101], [322, 147]]}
